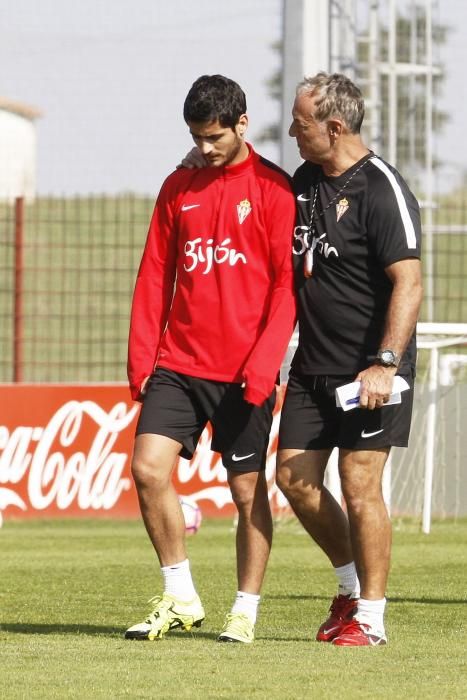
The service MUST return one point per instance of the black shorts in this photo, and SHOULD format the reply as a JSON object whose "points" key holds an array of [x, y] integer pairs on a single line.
{"points": [[179, 406], [310, 419]]}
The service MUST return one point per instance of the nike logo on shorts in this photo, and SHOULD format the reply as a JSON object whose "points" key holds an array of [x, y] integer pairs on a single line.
{"points": [[368, 435], [240, 459], [185, 207], [302, 198]]}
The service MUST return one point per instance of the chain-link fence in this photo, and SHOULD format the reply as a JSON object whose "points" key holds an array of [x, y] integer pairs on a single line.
{"points": [[67, 272]]}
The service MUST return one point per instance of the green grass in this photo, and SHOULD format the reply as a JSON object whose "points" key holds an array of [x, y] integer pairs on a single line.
{"points": [[70, 588]]}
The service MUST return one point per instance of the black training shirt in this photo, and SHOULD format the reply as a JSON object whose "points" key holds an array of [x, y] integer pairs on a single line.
{"points": [[373, 222]]}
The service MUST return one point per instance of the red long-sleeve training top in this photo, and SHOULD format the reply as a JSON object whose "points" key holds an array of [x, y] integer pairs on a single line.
{"points": [[214, 293]]}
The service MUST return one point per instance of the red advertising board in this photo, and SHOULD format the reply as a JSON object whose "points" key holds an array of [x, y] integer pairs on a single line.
{"points": [[65, 451]]}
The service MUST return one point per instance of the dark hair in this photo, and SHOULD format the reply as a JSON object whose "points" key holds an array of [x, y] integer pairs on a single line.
{"points": [[215, 97]]}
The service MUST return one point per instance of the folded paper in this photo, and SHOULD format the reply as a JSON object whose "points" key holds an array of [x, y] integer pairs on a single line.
{"points": [[348, 395]]}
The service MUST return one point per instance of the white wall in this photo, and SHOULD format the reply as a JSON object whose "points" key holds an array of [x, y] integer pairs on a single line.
{"points": [[17, 156]]}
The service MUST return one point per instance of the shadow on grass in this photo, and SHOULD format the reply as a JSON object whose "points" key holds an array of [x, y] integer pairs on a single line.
{"points": [[390, 599], [91, 630], [428, 601], [292, 596], [25, 628], [116, 632]]}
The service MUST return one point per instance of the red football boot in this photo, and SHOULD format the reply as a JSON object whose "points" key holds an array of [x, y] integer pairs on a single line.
{"points": [[342, 610], [358, 634]]}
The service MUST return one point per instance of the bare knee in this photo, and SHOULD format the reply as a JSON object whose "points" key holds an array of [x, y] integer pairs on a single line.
{"points": [[303, 498], [284, 479], [362, 501], [361, 481], [248, 490], [152, 471], [363, 496], [299, 482], [153, 461], [146, 473], [285, 474]]}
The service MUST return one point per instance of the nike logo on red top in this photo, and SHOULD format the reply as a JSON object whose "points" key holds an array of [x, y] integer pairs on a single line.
{"points": [[185, 207]]}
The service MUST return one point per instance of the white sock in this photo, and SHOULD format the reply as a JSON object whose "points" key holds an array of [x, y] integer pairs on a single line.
{"points": [[178, 581], [247, 603], [371, 613], [348, 580]]}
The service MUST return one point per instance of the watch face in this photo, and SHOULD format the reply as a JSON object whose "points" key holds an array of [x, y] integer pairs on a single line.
{"points": [[388, 358]]}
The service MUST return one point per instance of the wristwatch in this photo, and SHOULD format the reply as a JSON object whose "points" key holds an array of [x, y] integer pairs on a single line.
{"points": [[388, 358]]}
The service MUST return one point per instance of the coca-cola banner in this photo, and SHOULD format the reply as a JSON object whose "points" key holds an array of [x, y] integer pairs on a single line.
{"points": [[65, 450]]}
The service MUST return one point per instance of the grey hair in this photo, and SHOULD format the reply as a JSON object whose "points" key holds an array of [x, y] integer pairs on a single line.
{"points": [[338, 97]]}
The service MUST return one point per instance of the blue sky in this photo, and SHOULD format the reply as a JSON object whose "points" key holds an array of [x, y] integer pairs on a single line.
{"points": [[111, 78], [111, 75]]}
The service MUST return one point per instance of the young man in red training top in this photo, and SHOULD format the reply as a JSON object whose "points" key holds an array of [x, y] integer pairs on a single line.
{"points": [[212, 315]]}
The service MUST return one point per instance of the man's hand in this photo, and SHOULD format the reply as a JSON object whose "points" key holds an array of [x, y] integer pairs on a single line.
{"points": [[193, 159], [376, 386]]}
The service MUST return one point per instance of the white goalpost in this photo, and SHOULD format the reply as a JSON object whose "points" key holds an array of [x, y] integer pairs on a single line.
{"points": [[434, 337], [407, 470]]}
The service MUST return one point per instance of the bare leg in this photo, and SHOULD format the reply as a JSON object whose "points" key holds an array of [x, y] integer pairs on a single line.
{"points": [[153, 461], [370, 527], [254, 531], [300, 475]]}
